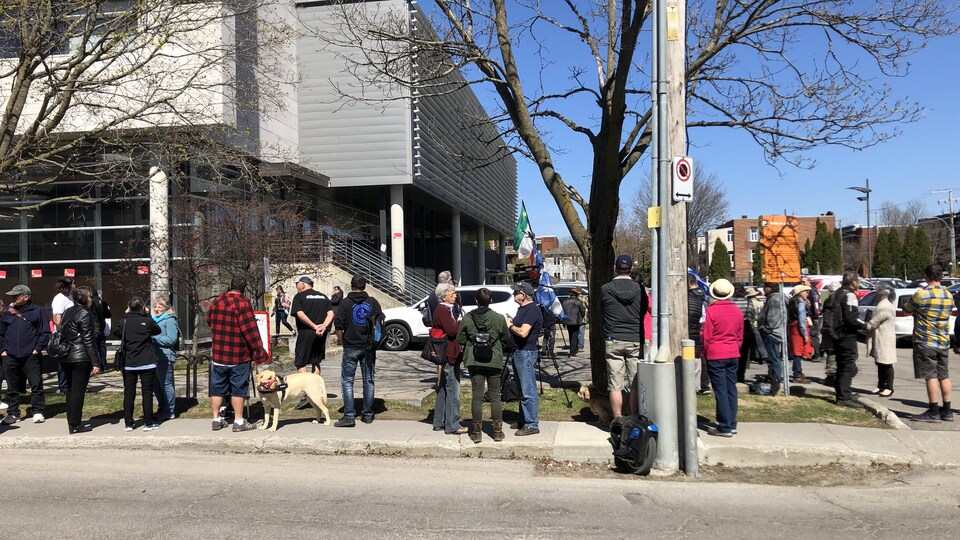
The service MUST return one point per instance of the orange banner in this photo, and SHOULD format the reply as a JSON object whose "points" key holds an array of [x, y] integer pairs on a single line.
{"points": [[780, 246]]}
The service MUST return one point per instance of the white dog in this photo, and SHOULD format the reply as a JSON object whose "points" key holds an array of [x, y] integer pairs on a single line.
{"points": [[310, 384]]}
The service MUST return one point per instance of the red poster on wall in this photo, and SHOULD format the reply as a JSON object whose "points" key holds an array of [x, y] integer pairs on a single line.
{"points": [[36, 273], [143, 270], [3, 274], [69, 272]]}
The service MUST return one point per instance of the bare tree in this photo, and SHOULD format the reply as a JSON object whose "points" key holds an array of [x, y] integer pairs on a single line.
{"points": [[708, 209], [84, 83], [901, 215], [793, 75]]}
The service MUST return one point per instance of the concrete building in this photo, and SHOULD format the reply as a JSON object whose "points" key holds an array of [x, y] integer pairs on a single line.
{"points": [[388, 174]]}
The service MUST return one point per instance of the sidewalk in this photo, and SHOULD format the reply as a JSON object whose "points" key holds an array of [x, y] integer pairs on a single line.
{"points": [[756, 445]]}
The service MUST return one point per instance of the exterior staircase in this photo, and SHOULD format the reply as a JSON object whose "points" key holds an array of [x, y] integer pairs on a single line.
{"points": [[359, 257]]}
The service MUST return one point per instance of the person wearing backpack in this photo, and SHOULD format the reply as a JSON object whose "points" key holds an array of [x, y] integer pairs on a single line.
{"points": [[353, 320], [482, 334]]}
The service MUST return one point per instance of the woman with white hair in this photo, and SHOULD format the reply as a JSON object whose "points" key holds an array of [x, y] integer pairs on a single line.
{"points": [[446, 413], [722, 334], [882, 339]]}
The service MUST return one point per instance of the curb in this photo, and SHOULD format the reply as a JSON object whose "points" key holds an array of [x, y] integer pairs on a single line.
{"points": [[884, 414]]}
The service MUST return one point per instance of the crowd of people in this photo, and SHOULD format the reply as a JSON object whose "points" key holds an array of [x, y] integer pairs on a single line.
{"points": [[730, 327]]}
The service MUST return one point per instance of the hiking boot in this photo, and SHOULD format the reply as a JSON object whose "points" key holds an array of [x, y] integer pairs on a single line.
{"points": [[524, 431], [801, 379], [477, 434], [929, 416], [849, 403], [245, 426], [946, 415], [498, 431], [220, 424], [345, 422]]}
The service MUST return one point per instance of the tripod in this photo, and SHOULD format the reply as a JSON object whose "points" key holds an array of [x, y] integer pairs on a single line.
{"points": [[549, 340]]}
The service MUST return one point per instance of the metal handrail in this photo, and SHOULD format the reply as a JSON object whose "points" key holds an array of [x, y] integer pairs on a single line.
{"points": [[193, 361], [357, 257]]}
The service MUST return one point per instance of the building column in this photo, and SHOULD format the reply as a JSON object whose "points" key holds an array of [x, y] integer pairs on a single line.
{"points": [[455, 240], [159, 196], [397, 255], [503, 252], [481, 263]]}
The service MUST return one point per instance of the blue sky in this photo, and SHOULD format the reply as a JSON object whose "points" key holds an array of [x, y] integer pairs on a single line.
{"points": [[905, 169]]}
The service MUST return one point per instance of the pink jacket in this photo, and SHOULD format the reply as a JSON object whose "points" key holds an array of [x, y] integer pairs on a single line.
{"points": [[722, 331]]}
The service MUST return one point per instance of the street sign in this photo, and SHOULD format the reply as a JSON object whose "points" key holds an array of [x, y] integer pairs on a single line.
{"points": [[69, 272], [682, 179]]}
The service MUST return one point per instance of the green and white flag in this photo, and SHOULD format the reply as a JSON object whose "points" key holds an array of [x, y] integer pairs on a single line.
{"points": [[523, 236]]}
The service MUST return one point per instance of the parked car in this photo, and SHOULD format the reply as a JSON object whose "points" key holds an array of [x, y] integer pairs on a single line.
{"points": [[866, 286], [903, 324], [404, 325], [896, 283], [564, 287]]}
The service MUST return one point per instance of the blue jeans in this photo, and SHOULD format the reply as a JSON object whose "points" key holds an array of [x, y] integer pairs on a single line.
{"points": [[163, 388], [446, 413], [348, 371], [774, 358], [525, 366], [797, 365], [723, 376]]}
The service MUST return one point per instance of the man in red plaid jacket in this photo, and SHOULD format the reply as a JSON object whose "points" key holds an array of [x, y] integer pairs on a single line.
{"points": [[236, 342]]}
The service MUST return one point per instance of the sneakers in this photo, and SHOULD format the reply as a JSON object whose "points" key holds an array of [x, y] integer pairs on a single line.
{"points": [[220, 424], [946, 415], [367, 419], [929, 416], [38, 418], [151, 427], [128, 427], [9, 419], [704, 392], [245, 426], [459, 431], [829, 380], [345, 422], [524, 431], [303, 404], [717, 433]]}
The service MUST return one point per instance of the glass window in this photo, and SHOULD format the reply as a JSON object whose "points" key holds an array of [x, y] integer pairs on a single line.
{"points": [[60, 245], [498, 297], [730, 235], [753, 253], [124, 243], [9, 247], [468, 298], [731, 258], [754, 234]]}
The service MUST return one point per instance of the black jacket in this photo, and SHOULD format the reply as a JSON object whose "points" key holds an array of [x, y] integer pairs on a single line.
{"points": [[351, 317], [101, 312], [140, 327], [20, 336], [695, 301], [850, 326], [624, 303], [80, 329]]}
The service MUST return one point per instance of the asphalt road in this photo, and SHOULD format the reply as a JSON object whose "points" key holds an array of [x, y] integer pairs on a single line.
{"points": [[112, 494]]}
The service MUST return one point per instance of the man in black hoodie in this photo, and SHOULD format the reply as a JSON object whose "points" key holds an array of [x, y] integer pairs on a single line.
{"points": [[354, 323], [624, 304], [24, 332]]}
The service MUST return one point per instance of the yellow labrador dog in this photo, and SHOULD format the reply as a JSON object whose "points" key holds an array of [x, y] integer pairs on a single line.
{"points": [[310, 384]]}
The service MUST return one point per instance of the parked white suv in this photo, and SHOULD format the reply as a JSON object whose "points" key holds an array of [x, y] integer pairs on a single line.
{"points": [[903, 324], [404, 325]]}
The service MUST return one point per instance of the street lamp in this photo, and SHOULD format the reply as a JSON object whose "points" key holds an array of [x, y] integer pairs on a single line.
{"points": [[866, 197], [953, 240]]}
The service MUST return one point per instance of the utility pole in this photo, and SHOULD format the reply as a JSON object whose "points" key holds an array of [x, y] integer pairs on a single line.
{"points": [[953, 239], [659, 379]]}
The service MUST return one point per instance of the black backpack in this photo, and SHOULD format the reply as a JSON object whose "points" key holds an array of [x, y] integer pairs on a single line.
{"points": [[482, 343]]}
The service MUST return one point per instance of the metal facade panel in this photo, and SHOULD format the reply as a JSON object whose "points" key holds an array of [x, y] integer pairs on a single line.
{"points": [[355, 144]]}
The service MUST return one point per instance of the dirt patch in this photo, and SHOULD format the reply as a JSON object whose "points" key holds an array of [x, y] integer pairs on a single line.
{"points": [[819, 476]]}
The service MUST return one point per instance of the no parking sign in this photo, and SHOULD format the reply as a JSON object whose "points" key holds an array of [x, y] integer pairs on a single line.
{"points": [[682, 179]]}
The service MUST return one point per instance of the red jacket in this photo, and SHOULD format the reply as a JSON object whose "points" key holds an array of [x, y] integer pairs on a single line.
{"points": [[233, 326], [722, 331], [443, 320]]}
